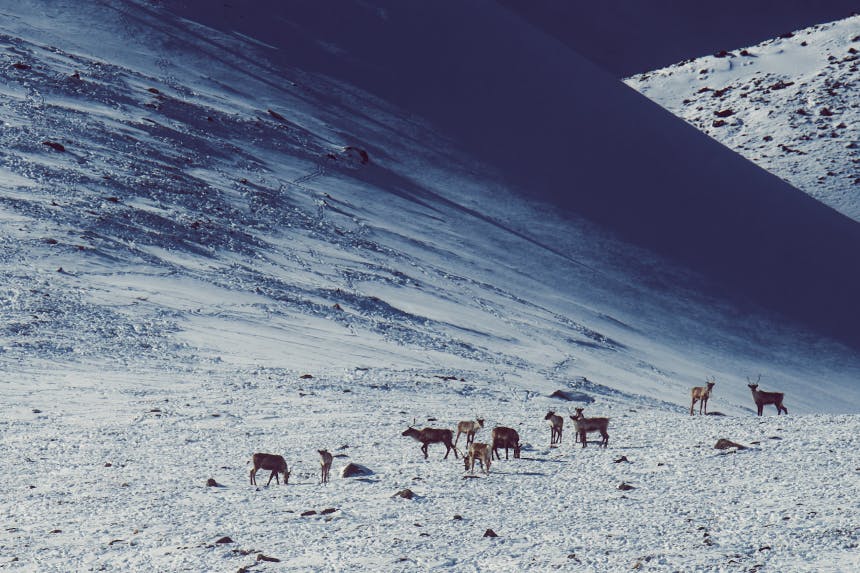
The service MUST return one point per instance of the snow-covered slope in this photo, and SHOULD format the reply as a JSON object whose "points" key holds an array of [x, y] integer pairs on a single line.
{"points": [[584, 144], [198, 262], [789, 104]]}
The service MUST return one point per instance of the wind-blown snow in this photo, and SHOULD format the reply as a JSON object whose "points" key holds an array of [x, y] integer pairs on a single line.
{"points": [[209, 268]]}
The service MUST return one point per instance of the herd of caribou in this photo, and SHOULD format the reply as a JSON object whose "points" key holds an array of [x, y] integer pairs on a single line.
{"points": [[508, 438]]}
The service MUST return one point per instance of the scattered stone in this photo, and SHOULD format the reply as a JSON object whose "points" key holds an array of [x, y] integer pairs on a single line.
{"points": [[719, 123], [108, 464], [37, 411], [54, 145], [363, 157], [459, 517], [625, 486], [780, 85], [490, 533], [224, 540], [825, 112], [621, 459], [724, 444], [261, 557], [308, 513], [212, 483], [306, 376], [328, 510], [572, 396], [405, 494], [355, 470], [724, 112], [57, 531]]}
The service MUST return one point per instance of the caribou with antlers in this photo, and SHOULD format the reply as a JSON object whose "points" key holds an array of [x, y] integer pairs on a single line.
{"points": [[762, 399], [701, 394]]}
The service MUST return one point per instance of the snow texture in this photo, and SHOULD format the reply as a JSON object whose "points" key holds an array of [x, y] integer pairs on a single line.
{"points": [[209, 250]]}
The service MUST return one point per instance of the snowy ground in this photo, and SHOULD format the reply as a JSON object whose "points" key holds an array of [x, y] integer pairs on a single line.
{"points": [[204, 240], [789, 104], [785, 504]]}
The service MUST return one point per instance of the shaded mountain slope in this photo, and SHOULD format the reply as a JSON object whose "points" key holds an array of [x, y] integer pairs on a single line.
{"points": [[571, 135]]}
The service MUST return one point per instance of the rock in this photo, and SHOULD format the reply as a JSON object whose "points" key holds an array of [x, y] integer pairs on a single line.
{"points": [[718, 123], [724, 113], [405, 494], [358, 153], [490, 533], [224, 540], [328, 510], [354, 470], [459, 517], [212, 483], [306, 376], [724, 444], [572, 396], [261, 557], [276, 115], [54, 145], [108, 464], [621, 459], [625, 486], [308, 513], [37, 411], [20, 66]]}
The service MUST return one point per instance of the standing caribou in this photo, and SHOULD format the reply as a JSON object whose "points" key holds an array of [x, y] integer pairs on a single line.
{"points": [[470, 428], [762, 399], [269, 462], [556, 425], [505, 438], [429, 436], [701, 394], [583, 425]]}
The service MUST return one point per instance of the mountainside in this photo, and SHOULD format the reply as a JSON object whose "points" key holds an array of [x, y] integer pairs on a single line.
{"points": [[221, 238], [789, 104], [563, 145]]}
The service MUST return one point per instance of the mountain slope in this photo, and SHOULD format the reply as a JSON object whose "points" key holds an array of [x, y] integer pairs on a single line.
{"points": [[198, 261], [681, 191], [788, 104]]}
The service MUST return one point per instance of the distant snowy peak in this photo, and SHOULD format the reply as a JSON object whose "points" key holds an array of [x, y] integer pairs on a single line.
{"points": [[790, 104]]}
